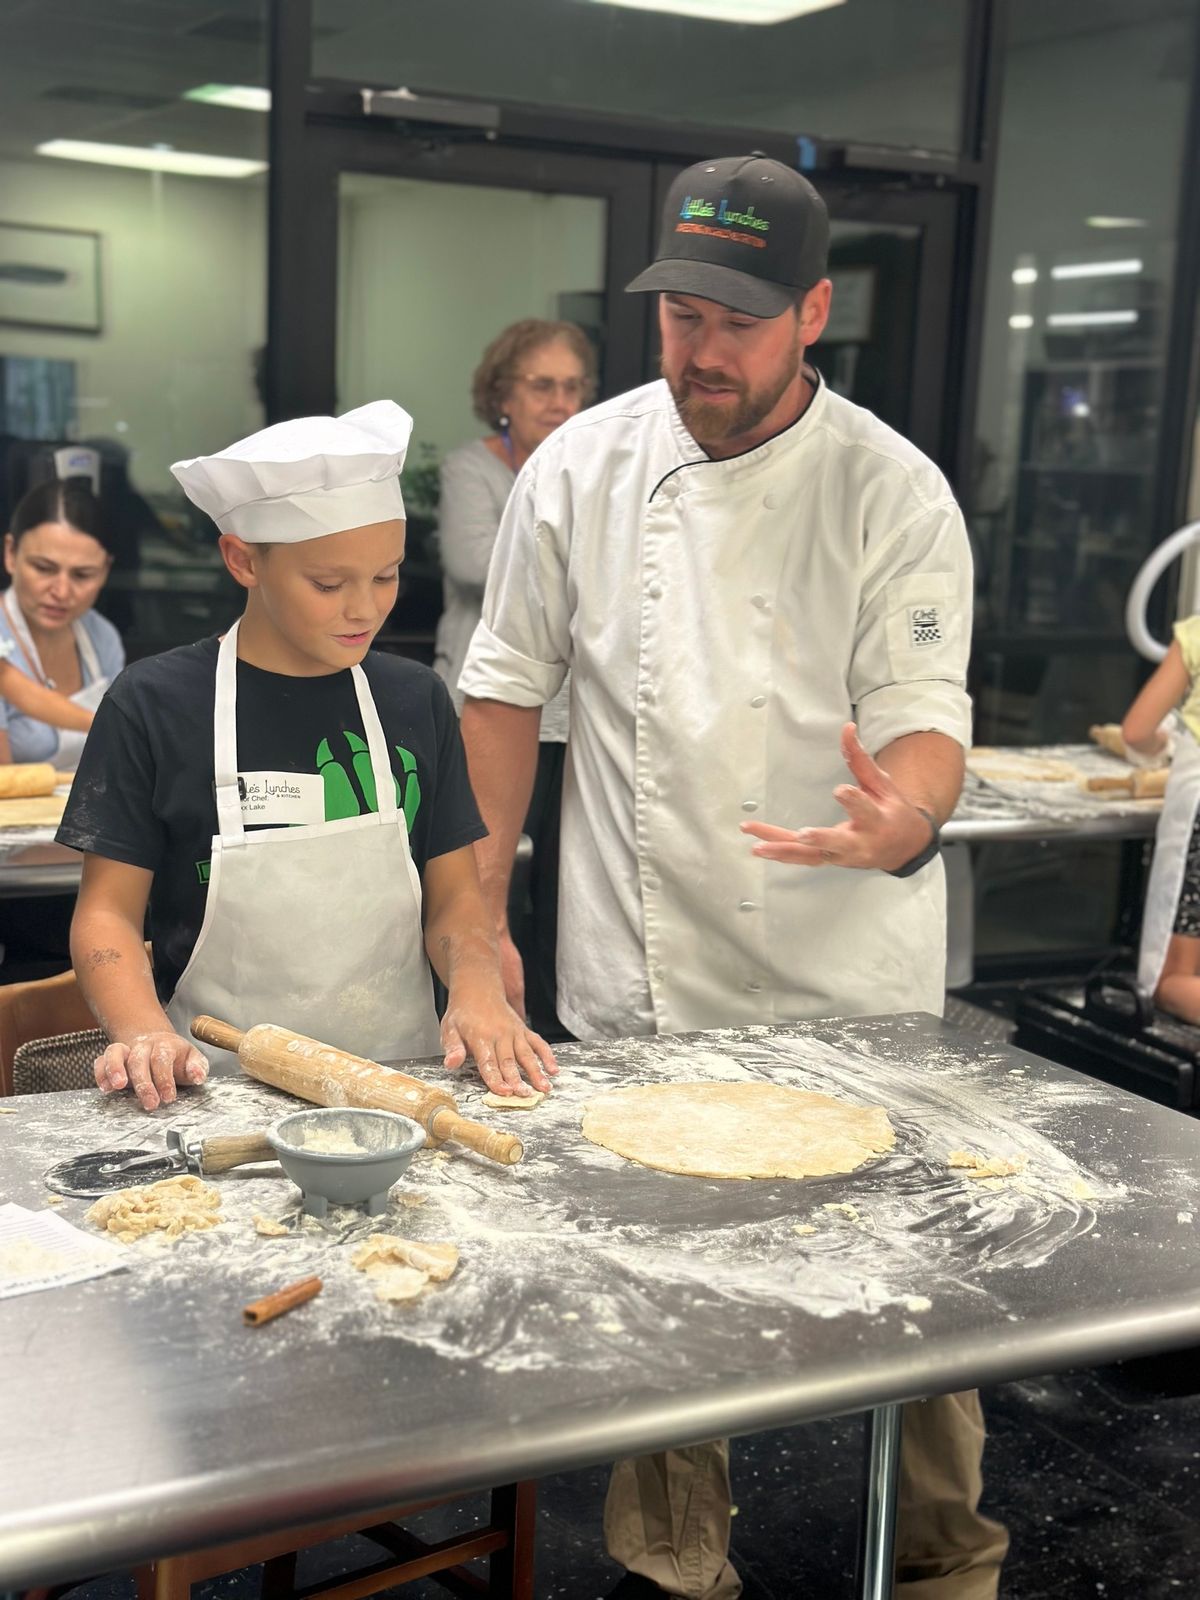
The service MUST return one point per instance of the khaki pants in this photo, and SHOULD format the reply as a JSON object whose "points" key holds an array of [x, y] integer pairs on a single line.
{"points": [[667, 1516]]}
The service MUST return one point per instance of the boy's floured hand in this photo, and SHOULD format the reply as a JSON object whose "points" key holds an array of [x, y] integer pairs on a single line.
{"points": [[151, 1065], [502, 1046]]}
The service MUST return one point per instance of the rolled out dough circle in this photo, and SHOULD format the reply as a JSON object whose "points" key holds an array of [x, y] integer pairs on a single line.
{"points": [[737, 1130]]}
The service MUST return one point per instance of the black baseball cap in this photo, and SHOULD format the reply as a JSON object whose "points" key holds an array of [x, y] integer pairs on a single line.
{"points": [[744, 231]]}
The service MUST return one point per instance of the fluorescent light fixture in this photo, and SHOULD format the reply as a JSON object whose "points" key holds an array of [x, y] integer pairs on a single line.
{"points": [[1025, 275], [1117, 222], [1097, 269], [1020, 321], [186, 163], [1091, 319], [755, 11], [241, 96]]}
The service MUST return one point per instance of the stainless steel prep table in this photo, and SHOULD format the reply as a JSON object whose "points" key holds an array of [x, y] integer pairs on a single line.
{"points": [[990, 810], [600, 1308]]}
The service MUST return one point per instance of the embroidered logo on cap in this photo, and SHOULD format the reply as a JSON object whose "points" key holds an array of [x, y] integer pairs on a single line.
{"points": [[721, 221], [924, 626]]}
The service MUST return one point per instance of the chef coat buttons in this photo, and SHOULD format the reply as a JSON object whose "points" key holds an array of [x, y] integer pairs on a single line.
{"points": [[747, 905], [650, 883], [646, 695], [657, 974], [759, 700], [761, 601], [671, 490], [771, 500], [649, 788], [749, 805], [654, 590]]}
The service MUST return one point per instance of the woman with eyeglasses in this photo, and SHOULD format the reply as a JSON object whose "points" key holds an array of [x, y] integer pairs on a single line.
{"points": [[531, 378]]}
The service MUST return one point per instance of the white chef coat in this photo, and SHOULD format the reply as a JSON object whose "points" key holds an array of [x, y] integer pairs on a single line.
{"points": [[721, 620]]}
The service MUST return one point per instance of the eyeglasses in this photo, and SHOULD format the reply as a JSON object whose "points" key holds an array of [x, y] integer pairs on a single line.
{"points": [[572, 388]]}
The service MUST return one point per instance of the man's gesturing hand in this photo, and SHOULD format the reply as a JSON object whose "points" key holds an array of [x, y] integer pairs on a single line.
{"points": [[882, 830]]}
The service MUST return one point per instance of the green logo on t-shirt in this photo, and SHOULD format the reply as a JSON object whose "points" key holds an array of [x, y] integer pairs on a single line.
{"points": [[341, 800], [341, 796]]}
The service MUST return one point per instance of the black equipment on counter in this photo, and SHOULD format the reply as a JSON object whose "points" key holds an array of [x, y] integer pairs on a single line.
{"points": [[1109, 1030]]}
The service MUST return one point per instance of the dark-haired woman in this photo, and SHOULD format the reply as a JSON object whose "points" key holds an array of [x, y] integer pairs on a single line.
{"points": [[57, 560]]}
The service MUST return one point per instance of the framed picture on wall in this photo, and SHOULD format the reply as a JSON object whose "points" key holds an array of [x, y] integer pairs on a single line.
{"points": [[49, 278]]}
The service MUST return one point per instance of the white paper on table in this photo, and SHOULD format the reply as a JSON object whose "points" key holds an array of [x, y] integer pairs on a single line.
{"points": [[41, 1251]]}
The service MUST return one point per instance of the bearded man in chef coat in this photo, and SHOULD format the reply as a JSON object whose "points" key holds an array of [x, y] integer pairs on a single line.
{"points": [[763, 595]]}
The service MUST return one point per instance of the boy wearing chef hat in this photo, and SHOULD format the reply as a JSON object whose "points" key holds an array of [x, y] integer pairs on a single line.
{"points": [[291, 808]]}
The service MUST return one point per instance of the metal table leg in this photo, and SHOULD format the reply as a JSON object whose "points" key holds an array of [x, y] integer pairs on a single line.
{"points": [[877, 1532]]}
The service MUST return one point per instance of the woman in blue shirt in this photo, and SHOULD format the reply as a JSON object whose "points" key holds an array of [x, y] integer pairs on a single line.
{"points": [[57, 558]]}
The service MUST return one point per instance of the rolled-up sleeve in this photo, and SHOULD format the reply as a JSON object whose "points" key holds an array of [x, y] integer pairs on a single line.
{"points": [[520, 651], [909, 668]]}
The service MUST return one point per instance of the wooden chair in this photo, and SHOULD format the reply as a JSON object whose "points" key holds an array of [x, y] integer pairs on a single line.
{"points": [[34, 1021], [36, 1010]]}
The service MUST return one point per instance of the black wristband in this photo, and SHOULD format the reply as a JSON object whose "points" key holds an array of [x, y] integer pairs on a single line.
{"points": [[923, 857]]}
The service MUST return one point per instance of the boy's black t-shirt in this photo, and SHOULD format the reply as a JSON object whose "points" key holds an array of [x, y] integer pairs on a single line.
{"points": [[143, 793]]}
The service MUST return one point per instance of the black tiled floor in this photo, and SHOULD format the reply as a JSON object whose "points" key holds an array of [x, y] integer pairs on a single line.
{"points": [[1097, 1478]]}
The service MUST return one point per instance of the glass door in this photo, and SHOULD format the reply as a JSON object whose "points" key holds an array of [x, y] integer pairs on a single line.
{"points": [[407, 250], [429, 273]]}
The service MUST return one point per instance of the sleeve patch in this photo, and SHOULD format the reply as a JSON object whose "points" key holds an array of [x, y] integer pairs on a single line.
{"points": [[924, 626]]}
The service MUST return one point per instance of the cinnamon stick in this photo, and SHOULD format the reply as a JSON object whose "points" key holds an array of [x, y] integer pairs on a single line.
{"points": [[274, 1305]]}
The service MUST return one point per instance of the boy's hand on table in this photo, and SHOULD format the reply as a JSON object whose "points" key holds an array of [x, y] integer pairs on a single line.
{"points": [[151, 1065], [480, 1023]]}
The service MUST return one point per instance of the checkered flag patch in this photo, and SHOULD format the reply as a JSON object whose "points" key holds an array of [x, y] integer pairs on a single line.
{"points": [[924, 626]]}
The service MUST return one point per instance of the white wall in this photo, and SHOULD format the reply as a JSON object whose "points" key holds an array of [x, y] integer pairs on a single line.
{"points": [[431, 272], [183, 293]]}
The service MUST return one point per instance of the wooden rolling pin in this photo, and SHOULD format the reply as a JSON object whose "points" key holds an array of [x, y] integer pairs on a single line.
{"points": [[328, 1077], [25, 780], [1142, 783]]}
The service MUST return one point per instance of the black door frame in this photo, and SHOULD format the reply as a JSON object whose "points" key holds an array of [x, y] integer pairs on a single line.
{"points": [[306, 367], [319, 130]]}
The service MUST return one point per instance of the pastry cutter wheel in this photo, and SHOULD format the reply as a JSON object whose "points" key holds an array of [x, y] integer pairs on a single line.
{"points": [[103, 1171]]}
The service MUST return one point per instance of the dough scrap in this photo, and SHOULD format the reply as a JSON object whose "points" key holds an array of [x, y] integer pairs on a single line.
{"points": [[173, 1207], [269, 1228], [514, 1102], [986, 1166], [737, 1130], [403, 1268], [1013, 766]]}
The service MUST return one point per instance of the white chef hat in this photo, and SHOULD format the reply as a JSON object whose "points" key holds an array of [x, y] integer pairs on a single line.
{"points": [[304, 479]]}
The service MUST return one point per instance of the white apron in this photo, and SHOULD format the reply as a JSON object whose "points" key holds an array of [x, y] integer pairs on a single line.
{"points": [[1171, 840], [70, 744], [315, 927]]}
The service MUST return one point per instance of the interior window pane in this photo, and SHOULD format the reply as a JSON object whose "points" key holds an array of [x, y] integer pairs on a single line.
{"points": [[132, 309], [418, 305], [1079, 287], [884, 71]]}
